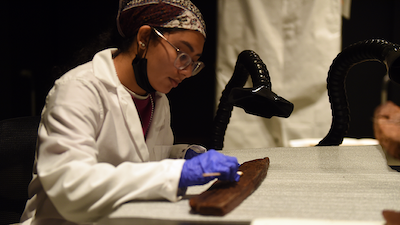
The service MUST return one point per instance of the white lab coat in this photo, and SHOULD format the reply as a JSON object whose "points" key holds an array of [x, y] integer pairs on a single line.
{"points": [[92, 155]]}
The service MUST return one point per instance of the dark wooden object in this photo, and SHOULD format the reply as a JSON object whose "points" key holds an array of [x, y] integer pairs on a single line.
{"points": [[222, 197], [391, 217]]}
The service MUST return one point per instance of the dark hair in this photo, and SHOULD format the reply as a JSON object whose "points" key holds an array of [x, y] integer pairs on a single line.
{"points": [[130, 20], [125, 43]]}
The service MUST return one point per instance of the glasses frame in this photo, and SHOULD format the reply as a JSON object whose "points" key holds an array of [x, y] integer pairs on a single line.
{"points": [[196, 66]]}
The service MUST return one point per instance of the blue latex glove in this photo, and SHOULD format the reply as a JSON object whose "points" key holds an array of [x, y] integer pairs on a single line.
{"points": [[190, 153], [209, 162]]}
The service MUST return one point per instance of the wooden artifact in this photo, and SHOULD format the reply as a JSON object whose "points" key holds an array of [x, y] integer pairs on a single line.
{"points": [[223, 196], [391, 217]]}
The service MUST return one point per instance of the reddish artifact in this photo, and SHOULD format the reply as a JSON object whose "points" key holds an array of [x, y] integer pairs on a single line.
{"points": [[387, 128], [222, 197]]}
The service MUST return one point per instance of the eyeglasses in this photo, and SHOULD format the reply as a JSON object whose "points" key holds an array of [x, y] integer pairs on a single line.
{"points": [[183, 60]]}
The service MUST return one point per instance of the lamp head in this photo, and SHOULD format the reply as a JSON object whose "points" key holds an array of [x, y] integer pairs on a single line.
{"points": [[260, 101]]}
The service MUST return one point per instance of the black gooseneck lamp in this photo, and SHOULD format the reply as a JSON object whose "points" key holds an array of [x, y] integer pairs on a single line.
{"points": [[369, 50], [258, 100]]}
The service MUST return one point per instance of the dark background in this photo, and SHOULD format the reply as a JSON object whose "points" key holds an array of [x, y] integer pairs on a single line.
{"points": [[369, 19], [42, 39]]}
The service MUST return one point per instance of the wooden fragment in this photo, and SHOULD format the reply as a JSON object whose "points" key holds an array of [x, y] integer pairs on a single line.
{"points": [[223, 196], [391, 217]]}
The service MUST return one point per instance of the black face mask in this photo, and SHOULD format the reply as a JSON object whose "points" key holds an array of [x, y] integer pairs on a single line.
{"points": [[140, 68]]}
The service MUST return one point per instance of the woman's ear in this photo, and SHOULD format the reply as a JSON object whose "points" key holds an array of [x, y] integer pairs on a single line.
{"points": [[143, 36]]}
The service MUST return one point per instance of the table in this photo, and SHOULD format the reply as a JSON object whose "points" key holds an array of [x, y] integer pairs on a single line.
{"points": [[331, 184]]}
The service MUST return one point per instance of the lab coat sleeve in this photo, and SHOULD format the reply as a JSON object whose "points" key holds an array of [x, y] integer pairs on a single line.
{"points": [[178, 151], [81, 188]]}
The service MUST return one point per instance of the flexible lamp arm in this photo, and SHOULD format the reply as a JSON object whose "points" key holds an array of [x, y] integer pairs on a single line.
{"points": [[369, 50], [259, 100]]}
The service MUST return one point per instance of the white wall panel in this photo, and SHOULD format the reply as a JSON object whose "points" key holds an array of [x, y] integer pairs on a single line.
{"points": [[297, 40]]}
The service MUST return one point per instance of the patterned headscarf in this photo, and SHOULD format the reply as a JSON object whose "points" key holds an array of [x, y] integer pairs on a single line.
{"points": [[158, 13]]}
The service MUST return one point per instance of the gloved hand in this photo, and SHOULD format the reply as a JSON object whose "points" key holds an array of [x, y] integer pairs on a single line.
{"points": [[194, 150], [209, 162]]}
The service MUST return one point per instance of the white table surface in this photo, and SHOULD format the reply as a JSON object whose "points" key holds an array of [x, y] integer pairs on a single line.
{"points": [[347, 184]]}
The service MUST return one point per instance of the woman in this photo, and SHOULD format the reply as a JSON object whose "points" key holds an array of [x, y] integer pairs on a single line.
{"points": [[105, 135]]}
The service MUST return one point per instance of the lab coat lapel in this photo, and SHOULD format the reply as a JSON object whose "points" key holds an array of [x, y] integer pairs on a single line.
{"points": [[157, 122], [104, 69], [133, 122]]}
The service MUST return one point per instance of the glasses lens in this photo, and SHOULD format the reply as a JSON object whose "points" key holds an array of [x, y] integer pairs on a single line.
{"points": [[182, 61]]}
